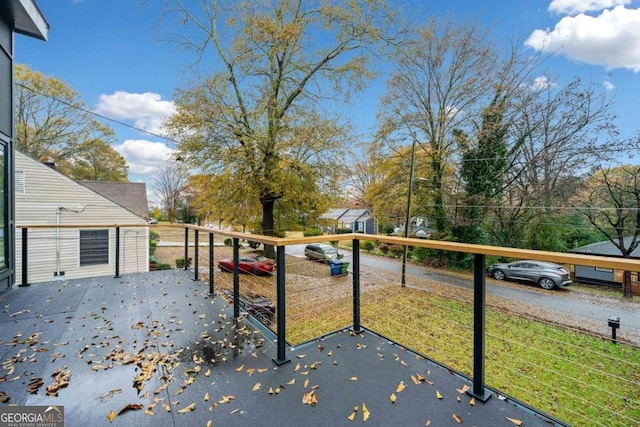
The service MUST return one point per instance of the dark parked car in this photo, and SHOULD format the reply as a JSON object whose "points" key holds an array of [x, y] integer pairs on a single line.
{"points": [[249, 264], [256, 305], [545, 274], [321, 252]]}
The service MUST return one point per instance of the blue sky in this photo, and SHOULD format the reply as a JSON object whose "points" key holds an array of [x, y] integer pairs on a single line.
{"points": [[109, 52]]}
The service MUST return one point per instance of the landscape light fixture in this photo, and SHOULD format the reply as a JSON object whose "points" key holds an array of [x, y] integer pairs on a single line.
{"points": [[614, 324]]}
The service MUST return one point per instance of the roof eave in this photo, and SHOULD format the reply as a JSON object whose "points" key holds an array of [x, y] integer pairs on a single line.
{"points": [[29, 20]]}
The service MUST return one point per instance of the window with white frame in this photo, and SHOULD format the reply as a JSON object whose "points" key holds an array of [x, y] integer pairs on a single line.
{"points": [[94, 247]]}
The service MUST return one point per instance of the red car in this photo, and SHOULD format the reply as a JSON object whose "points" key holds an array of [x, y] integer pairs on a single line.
{"points": [[249, 264]]}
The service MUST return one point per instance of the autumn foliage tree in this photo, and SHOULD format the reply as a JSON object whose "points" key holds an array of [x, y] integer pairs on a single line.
{"points": [[52, 123], [258, 118]]}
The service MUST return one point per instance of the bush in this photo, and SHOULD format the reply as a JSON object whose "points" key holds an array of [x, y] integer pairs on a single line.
{"points": [[367, 245], [420, 254], [153, 244], [180, 262], [387, 228], [312, 232], [343, 230], [396, 250], [228, 241], [384, 248]]}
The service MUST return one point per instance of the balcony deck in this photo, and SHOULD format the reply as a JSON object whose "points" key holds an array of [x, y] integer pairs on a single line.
{"points": [[159, 345]]}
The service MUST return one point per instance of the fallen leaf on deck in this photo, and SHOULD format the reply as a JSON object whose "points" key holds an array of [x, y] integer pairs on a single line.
{"points": [[239, 368], [110, 416], [392, 398], [226, 399], [438, 395], [310, 398], [306, 383], [256, 387], [365, 412], [167, 407], [472, 402], [292, 382], [206, 397], [188, 408], [515, 421], [463, 389], [130, 407], [353, 379], [458, 418], [400, 387]]}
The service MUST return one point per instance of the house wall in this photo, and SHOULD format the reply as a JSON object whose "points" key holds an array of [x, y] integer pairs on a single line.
{"points": [[606, 277], [46, 197]]}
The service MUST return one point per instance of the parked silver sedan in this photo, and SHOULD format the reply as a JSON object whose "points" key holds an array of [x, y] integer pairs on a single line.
{"points": [[546, 274]]}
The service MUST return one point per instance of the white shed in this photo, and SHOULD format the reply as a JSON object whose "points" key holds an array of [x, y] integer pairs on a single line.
{"points": [[44, 196]]}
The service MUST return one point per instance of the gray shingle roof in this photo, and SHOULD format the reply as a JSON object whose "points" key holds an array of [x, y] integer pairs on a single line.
{"points": [[606, 248], [131, 195]]}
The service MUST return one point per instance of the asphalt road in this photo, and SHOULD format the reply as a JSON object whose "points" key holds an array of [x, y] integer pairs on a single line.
{"points": [[563, 303]]}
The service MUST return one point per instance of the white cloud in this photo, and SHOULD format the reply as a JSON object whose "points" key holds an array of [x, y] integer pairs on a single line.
{"points": [[148, 110], [573, 7], [542, 83], [611, 39], [608, 85], [143, 157]]}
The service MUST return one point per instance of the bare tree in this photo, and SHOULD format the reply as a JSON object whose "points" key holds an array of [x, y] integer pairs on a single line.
{"points": [[168, 186], [444, 79], [610, 200]]}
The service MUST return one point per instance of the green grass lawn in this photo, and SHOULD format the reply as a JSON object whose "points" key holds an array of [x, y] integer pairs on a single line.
{"points": [[572, 376]]}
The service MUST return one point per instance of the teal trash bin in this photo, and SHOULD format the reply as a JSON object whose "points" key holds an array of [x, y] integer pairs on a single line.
{"points": [[335, 266], [343, 267]]}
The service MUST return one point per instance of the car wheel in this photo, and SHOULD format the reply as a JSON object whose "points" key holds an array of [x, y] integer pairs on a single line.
{"points": [[546, 283], [224, 269], [498, 275], [254, 271]]}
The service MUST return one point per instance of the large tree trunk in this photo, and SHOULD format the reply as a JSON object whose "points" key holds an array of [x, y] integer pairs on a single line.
{"points": [[626, 285], [267, 223]]}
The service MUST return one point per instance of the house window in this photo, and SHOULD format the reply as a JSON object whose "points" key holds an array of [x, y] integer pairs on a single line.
{"points": [[94, 247]]}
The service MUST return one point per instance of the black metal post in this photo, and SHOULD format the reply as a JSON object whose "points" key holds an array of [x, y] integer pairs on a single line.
{"points": [[117, 253], [186, 248], [281, 309], [236, 278], [356, 285], [195, 255], [25, 280], [479, 289], [408, 216], [211, 293]]}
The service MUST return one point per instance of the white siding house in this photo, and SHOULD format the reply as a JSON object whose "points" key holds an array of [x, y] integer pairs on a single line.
{"points": [[44, 196]]}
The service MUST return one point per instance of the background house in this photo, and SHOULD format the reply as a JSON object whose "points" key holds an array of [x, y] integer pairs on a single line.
{"points": [[353, 219], [605, 276], [131, 195], [45, 196]]}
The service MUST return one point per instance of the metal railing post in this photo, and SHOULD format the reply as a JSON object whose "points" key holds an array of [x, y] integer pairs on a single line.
{"points": [[25, 280], [117, 253], [186, 248], [236, 278], [479, 290], [195, 255], [211, 264], [281, 309], [356, 285]]}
